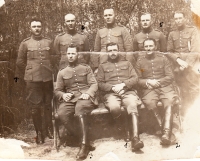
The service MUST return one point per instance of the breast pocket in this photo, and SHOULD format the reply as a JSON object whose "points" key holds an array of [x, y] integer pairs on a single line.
{"points": [[103, 38], [28, 73], [81, 46], [176, 42], [32, 52], [108, 74], [68, 80], [82, 78], [117, 38], [124, 71], [63, 47]]}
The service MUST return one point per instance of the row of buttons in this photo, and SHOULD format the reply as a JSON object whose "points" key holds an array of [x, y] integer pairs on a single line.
{"points": [[76, 79], [117, 72]]}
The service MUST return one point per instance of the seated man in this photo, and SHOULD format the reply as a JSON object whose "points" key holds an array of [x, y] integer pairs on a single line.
{"points": [[116, 79], [76, 87], [155, 83]]}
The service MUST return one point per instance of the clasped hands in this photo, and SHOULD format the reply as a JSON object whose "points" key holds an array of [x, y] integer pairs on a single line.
{"points": [[68, 96], [153, 83], [118, 88], [183, 64]]}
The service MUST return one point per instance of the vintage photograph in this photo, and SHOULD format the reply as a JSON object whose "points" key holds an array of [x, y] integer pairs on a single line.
{"points": [[100, 80]]}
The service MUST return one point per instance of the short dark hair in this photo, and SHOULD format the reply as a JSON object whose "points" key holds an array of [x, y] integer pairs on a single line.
{"points": [[111, 44], [35, 18], [149, 39], [73, 46], [180, 12]]}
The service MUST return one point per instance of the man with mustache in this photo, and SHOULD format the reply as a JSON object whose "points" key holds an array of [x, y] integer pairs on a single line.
{"points": [[34, 56], [184, 43], [71, 36], [76, 88], [149, 32], [116, 79], [155, 83], [111, 33]]}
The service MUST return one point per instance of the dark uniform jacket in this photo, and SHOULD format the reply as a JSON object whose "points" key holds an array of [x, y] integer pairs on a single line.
{"points": [[184, 41], [34, 56], [111, 73], [63, 40], [77, 80], [156, 66], [155, 34]]}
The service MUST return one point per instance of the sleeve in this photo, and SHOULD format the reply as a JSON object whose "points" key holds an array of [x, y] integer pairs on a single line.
{"points": [[133, 77], [163, 43], [56, 45], [97, 43], [86, 48], [22, 57], [170, 48], [101, 80], [195, 41], [92, 82], [127, 39], [135, 44], [60, 87], [141, 81], [169, 77]]}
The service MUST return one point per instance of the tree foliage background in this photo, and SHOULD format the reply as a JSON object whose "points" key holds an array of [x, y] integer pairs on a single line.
{"points": [[15, 15]]}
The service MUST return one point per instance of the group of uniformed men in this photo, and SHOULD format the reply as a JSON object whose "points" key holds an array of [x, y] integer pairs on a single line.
{"points": [[124, 79]]}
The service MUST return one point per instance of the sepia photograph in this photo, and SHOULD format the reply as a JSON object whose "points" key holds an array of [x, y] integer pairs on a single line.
{"points": [[100, 80]]}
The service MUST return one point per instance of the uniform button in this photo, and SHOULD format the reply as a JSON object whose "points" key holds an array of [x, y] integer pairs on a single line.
{"points": [[39, 48], [76, 79], [41, 59], [40, 63], [118, 77], [78, 86], [117, 69], [77, 83], [74, 71], [75, 75]]}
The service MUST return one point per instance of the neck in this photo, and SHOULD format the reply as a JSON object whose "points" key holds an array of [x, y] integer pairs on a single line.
{"points": [[150, 56], [111, 25], [181, 28], [113, 60], [73, 64], [71, 32], [147, 30]]}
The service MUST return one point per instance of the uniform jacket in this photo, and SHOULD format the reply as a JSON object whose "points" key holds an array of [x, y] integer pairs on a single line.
{"points": [[184, 41], [110, 73], [34, 56], [63, 40], [77, 80], [156, 66], [155, 34]]}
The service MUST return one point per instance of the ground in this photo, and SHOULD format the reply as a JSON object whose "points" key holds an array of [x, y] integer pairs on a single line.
{"points": [[184, 147]]}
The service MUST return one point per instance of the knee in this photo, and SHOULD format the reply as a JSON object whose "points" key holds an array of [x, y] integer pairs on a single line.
{"points": [[150, 104]]}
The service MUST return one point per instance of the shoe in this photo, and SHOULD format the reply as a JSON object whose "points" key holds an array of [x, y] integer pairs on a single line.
{"points": [[165, 139], [136, 144], [49, 133], [39, 138], [83, 152]]}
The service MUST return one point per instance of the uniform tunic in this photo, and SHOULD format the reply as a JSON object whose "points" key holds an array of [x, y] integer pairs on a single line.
{"points": [[63, 40], [77, 80], [155, 66], [118, 34], [35, 57], [112, 73]]}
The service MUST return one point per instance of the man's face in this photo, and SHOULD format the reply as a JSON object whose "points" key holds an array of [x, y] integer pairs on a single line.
{"points": [[109, 16], [36, 28], [146, 21], [179, 19], [72, 55], [112, 51], [149, 46], [70, 21]]}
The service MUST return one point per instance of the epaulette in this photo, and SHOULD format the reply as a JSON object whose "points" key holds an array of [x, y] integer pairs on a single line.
{"points": [[26, 39], [84, 64], [189, 26], [157, 30], [61, 34], [80, 32], [46, 37], [121, 25], [141, 57]]}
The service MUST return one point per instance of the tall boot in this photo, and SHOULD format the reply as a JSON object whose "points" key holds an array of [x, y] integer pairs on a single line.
{"points": [[136, 144], [167, 127], [35, 112], [85, 147], [126, 127], [43, 123], [48, 121], [158, 119]]}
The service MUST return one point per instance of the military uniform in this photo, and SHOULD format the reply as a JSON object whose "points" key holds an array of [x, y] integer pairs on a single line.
{"points": [[183, 44], [34, 56], [116, 72], [77, 80], [118, 34], [63, 40], [155, 66], [154, 34]]}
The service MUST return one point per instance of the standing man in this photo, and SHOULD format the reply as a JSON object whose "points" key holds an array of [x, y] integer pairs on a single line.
{"points": [[76, 88], [155, 83], [71, 36], [111, 33], [149, 32], [34, 56], [184, 43], [116, 78]]}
